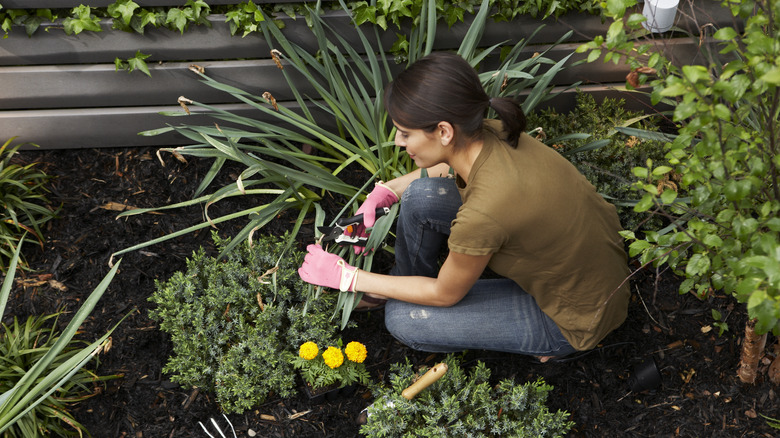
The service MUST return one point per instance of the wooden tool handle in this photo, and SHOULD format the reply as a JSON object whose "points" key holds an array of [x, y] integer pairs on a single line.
{"points": [[426, 380]]}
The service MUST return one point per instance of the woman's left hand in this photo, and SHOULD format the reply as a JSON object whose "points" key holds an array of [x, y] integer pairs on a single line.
{"points": [[326, 269]]}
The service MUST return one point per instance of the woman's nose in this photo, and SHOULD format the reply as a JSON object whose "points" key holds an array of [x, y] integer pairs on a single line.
{"points": [[399, 140]]}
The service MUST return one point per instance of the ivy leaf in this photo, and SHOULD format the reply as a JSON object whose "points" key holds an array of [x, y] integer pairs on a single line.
{"points": [[138, 63], [84, 21], [124, 9], [177, 19]]}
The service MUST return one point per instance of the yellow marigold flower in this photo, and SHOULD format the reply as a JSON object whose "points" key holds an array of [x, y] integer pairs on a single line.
{"points": [[308, 350], [356, 352], [333, 357]]}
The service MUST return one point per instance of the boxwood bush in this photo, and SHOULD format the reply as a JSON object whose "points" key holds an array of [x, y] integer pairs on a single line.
{"points": [[463, 404], [235, 321]]}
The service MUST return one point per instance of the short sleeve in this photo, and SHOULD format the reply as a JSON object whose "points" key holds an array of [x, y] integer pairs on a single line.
{"points": [[474, 233]]}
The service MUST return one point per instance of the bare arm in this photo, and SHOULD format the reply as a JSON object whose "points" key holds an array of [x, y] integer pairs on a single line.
{"points": [[456, 277]]}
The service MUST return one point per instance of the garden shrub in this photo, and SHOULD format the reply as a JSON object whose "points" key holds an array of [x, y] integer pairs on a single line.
{"points": [[235, 321], [607, 167], [463, 404], [726, 235]]}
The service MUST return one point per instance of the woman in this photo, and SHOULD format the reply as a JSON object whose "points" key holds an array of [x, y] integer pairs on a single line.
{"points": [[514, 205]]}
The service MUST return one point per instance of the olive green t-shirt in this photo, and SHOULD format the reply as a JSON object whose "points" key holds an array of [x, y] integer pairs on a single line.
{"points": [[548, 230]]}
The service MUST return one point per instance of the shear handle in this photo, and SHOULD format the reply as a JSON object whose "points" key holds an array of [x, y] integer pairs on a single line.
{"points": [[358, 218]]}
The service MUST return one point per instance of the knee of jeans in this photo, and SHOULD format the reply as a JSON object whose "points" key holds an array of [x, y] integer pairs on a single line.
{"points": [[417, 198], [397, 322]]}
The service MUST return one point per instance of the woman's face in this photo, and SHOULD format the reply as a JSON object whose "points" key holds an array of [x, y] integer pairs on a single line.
{"points": [[423, 147]]}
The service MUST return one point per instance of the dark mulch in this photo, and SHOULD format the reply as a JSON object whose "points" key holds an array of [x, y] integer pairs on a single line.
{"points": [[700, 395]]}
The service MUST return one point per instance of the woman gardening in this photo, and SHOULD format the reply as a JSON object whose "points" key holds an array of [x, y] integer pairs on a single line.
{"points": [[514, 205]]}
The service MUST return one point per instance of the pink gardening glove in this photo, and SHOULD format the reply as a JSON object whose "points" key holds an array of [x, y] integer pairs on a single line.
{"points": [[381, 197], [325, 269]]}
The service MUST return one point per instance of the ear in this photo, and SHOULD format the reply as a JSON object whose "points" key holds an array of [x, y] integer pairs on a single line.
{"points": [[446, 133]]}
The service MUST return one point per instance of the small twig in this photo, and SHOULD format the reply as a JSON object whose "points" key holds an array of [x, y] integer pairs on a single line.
{"points": [[648, 310], [191, 398]]}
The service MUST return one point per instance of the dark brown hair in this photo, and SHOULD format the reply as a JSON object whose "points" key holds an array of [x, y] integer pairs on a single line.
{"points": [[444, 87]]}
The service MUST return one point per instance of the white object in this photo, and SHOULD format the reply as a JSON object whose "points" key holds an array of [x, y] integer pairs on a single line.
{"points": [[660, 14]]}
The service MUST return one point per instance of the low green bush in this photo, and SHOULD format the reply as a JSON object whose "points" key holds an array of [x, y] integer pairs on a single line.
{"points": [[607, 167], [235, 321], [462, 404]]}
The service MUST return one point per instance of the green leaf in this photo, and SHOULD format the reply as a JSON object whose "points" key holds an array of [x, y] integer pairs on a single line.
{"points": [[772, 76], [138, 63], [668, 196], [123, 9], [698, 264], [725, 34]]}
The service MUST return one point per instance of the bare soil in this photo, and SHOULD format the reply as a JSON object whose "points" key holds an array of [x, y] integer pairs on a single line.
{"points": [[700, 394]]}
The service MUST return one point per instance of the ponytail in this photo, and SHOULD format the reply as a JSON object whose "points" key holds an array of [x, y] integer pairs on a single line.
{"points": [[512, 116]]}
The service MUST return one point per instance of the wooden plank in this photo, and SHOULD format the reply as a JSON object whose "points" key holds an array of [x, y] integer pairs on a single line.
{"points": [[109, 127], [119, 127], [99, 85]]}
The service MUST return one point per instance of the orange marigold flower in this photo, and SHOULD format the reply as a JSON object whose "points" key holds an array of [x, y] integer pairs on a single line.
{"points": [[308, 350], [333, 357], [356, 352]]}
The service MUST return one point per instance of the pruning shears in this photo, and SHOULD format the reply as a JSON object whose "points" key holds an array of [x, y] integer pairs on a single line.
{"points": [[344, 231]]}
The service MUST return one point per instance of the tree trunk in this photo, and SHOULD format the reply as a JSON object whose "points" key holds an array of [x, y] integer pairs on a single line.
{"points": [[752, 350]]}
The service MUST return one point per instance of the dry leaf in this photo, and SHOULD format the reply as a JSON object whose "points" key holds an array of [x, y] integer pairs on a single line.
{"points": [[275, 54], [633, 79], [298, 415], [183, 101], [271, 99], [706, 329], [115, 206], [57, 285]]}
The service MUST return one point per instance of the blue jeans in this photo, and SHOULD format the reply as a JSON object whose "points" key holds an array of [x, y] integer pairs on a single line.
{"points": [[496, 314]]}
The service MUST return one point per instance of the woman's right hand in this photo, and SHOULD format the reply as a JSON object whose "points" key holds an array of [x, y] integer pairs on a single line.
{"points": [[381, 197]]}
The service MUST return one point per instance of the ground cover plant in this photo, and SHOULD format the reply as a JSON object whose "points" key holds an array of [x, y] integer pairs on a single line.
{"points": [[235, 321], [463, 404]]}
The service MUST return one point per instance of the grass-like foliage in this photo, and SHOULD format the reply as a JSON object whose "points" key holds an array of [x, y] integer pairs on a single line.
{"points": [[42, 369], [234, 322], [22, 345], [24, 203], [463, 404]]}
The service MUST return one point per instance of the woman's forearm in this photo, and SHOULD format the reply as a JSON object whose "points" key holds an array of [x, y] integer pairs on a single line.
{"points": [[412, 289]]}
